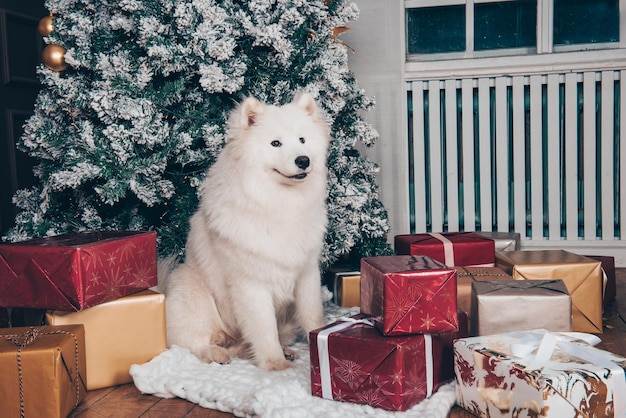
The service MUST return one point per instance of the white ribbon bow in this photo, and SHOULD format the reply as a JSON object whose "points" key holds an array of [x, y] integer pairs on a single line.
{"points": [[546, 342]]}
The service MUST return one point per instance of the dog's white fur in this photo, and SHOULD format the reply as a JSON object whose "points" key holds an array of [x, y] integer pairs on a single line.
{"points": [[250, 280]]}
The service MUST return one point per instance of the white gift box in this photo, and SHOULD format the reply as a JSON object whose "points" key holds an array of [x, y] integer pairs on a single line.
{"points": [[538, 373]]}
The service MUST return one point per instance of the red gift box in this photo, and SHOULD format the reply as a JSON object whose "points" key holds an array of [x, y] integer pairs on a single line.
{"points": [[353, 362], [75, 271], [450, 248], [407, 294]]}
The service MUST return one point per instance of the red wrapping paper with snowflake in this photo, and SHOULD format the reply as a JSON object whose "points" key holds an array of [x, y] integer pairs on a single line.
{"points": [[407, 294], [351, 361], [450, 248], [75, 271]]}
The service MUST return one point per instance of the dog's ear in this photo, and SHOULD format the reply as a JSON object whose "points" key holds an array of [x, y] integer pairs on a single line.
{"points": [[307, 102], [249, 111]]}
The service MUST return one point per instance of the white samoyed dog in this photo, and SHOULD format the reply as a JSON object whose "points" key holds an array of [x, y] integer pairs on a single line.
{"points": [[250, 280]]}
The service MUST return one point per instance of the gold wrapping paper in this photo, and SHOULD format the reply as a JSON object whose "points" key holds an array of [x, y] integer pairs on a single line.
{"points": [[348, 290], [129, 330], [520, 305], [609, 284], [582, 277], [42, 370], [465, 276]]}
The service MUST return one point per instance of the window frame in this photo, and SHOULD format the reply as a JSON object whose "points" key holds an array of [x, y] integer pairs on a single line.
{"points": [[513, 61], [545, 41]]}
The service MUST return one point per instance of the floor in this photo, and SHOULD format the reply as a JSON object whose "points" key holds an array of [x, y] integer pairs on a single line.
{"points": [[126, 401]]}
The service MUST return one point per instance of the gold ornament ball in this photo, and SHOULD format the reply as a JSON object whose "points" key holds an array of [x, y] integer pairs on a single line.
{"points": [[45, 26], [53, 57]]}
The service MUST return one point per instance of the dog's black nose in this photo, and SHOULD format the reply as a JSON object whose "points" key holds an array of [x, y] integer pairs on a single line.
{"points": [[302, 162]]}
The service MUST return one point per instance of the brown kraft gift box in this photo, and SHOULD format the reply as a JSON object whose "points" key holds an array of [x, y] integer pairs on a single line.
{"points": [[582, 277], [42, 370]]}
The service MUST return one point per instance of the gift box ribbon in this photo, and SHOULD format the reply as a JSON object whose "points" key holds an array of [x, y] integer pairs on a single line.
{"points": [[27, 338], [480, 272], [324, 355], [552, 285], [546, 343]]}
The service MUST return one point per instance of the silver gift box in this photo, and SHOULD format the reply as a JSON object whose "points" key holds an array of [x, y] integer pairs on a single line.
{"points": [[505, 241], [519, 305]]}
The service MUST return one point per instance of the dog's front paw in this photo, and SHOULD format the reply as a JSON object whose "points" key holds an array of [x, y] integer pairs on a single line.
{"points": [[215, 353], [290, 354], [275, 364]]}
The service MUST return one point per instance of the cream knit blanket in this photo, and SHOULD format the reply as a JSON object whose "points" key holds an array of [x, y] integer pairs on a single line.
{"points": [[247, 391]]}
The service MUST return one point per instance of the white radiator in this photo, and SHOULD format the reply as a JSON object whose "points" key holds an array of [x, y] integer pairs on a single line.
{"points": [[541, 155]]}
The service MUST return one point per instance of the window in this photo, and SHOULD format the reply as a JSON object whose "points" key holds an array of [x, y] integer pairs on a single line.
{"points": [[585, 21], [505, 25], [465, 28], [436, 29]]}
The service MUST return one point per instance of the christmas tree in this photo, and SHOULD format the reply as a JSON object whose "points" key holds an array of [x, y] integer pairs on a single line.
{"points": [[129, 121]]}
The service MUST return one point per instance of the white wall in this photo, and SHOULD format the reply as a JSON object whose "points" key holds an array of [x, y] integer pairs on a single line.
{"points": [[380, 69], [378, 64]]}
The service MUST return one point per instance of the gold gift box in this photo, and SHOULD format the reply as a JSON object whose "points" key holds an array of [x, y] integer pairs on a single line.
{"points": [[126, 331], [520, 305], [582, 277], [348, 289], [42, 369]]}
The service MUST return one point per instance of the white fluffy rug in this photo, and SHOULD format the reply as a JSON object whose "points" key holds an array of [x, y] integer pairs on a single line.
{"points": [[247, 391]]}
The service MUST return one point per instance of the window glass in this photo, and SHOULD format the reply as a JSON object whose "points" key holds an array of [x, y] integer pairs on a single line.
{"points": [[505, 25], [586, 21], [435, 29]]}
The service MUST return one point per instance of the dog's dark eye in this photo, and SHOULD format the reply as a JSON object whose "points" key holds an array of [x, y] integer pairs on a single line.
{"points": [[302, 141], [276, 143]]}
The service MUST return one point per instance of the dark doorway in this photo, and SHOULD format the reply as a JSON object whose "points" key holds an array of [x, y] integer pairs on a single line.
{"points": [[20, 54]]}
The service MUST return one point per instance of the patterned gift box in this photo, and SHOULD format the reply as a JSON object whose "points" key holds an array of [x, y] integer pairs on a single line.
{"points": [[118, 334], [465, 276], [520, 305], [504, 241], [75, 271], [43, 371], [449, 248], [407, 294], [503, 376], [582, 277], [352, 362]]}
